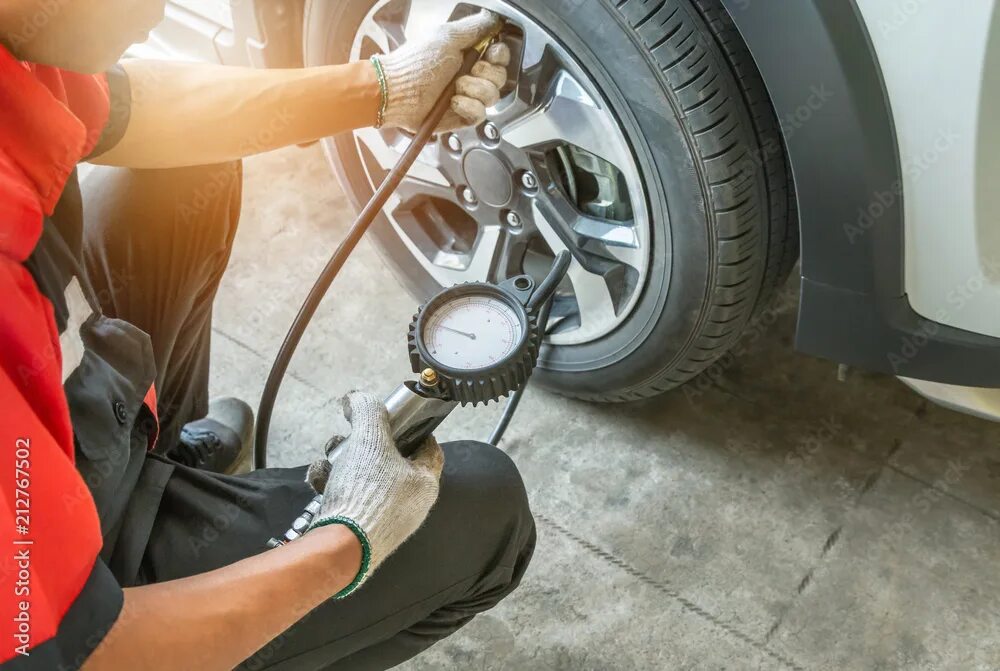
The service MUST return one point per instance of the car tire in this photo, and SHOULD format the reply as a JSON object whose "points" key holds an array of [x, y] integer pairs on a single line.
{"points": [[688, 97]]}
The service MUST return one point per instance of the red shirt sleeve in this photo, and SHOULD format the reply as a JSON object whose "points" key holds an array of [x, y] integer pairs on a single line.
{"points": [[86, 97], [49, 120]]}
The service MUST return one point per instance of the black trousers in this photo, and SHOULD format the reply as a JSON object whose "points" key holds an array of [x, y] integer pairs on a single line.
{"points": [[156, 244]]}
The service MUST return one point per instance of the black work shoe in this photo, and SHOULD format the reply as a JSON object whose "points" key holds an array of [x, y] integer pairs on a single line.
{"points": [[221, 442]]}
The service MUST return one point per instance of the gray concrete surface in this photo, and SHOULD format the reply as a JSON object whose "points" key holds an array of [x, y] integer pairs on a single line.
{"points": [[777, 519]]}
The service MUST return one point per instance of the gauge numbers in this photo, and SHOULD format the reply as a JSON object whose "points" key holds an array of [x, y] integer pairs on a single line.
{"points": [[472, 332]]}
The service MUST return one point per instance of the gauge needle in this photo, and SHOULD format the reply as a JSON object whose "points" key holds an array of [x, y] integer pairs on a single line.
{"points": [[470, 336]]}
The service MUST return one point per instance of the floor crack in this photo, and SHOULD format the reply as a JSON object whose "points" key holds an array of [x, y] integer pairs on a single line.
{"points": [[831, 540], [664, 587], [944, 492], [292, 374]]}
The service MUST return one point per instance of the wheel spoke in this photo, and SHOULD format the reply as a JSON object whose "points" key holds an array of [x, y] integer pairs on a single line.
{"points": [[387, 154], [568, 114], [427, 16], [509, 259], [371, 29], [476, 267], [580, 227], [533, 49], [593, 297], [411, 188], [392, 19], [612, 235], [590, 236], [634, 257]]}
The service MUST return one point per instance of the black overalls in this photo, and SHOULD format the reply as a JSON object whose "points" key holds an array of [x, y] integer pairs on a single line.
{"points": [[113, 429]]}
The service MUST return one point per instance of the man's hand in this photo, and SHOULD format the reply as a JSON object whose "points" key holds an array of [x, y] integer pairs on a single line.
{"points": [[417, 73], [371, 488]]}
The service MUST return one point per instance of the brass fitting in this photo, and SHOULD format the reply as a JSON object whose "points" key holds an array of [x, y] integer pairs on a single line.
{"points": [[489, 39], [429, 378]]}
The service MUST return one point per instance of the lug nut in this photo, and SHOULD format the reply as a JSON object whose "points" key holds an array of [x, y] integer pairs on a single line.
{"points": [[469, 196], [514, 220], [454, 143], [491, 131], [529, 181]]}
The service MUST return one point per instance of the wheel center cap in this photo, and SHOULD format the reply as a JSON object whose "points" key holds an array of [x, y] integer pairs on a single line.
{"points": [[488, 177]]}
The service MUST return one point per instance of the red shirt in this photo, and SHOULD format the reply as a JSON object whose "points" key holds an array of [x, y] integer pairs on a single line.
{"points": [[50, 534]]}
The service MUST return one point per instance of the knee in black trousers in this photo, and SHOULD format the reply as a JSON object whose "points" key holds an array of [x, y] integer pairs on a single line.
{"points": [[470, 554], [156, 244]]}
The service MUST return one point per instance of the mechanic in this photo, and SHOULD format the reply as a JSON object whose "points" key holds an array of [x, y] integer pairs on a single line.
{"points": [[143, 546]]}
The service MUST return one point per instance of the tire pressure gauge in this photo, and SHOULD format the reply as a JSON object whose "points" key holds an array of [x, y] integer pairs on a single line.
{"points": [[480, 340], [470, 344]]}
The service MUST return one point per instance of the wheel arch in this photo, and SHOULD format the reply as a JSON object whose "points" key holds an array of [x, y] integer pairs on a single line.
{"points": [[826, 87], [823, 76]]}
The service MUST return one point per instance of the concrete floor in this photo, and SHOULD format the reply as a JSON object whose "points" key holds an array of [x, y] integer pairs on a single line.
{"points": [[776, 519]]}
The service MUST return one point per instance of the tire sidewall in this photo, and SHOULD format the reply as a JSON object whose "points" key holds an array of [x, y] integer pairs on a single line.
{"points": [[673, 302]]}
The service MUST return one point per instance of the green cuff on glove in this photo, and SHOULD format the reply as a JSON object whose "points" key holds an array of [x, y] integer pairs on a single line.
{"points": [[384, 87], [366, 551]]}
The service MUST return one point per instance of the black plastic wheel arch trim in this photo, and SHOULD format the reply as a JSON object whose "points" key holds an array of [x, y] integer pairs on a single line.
{"points": [[821, 71]]}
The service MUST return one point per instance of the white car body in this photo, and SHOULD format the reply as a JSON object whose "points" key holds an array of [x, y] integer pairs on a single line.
{"points": [[941, 65]]}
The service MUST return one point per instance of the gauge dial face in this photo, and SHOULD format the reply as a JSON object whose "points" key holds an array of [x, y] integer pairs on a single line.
{"points": [[472, 332]]}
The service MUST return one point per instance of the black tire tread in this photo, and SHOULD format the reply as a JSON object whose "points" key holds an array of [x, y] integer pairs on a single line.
{"points": [[748, 186]]}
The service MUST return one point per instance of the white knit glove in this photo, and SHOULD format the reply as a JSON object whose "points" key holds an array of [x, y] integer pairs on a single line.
{"points": [[416, 74], [371, 488]]}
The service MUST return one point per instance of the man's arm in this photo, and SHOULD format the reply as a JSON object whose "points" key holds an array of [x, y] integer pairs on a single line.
{"points": [[218, 619], [184, 114]]}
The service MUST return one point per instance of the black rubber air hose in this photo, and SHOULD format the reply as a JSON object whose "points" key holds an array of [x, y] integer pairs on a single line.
{"points": [[344, 250]]}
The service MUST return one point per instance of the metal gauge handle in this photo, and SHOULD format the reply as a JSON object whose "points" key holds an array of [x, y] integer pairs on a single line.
{"points": [[414, 414]]}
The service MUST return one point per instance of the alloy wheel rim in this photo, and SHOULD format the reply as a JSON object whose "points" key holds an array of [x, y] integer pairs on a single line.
{"points": [[551, 169]]}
